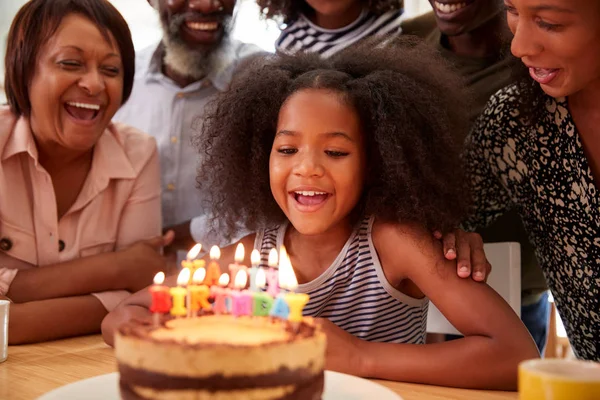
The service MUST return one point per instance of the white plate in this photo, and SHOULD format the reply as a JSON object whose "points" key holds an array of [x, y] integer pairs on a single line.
{"points": [[337, 387]]}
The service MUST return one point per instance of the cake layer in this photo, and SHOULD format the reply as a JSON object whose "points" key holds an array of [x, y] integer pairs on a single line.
{"points": [[308, 391], [167, 351], [282, 377]]}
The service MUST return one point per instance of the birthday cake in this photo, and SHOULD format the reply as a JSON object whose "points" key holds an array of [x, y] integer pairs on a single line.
{"points": [[221, 357]]}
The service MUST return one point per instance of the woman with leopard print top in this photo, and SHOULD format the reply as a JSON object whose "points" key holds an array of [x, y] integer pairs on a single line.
{"points": [[537, 148]]}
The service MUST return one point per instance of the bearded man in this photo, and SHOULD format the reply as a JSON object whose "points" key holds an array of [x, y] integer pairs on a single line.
{"points": [[174, 81]]}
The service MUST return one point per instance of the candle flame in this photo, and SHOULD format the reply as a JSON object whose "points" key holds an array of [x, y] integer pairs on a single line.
{"points": [[261, 278], [255, 257], [273, 258], [199, 276], [240, 279], [240, 252], [224, 279], [194, 251], [215, 253], [287, 278], [159, 278], [184, 277]]}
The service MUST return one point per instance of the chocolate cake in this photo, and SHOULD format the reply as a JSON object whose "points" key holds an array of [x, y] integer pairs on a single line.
{"points": [[221, 357]]}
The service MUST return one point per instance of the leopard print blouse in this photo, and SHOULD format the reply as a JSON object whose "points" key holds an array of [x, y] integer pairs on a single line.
{"points": [[541, 170]]}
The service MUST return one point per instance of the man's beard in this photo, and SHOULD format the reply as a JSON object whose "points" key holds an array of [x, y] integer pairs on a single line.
{"points": [[194, 62]]}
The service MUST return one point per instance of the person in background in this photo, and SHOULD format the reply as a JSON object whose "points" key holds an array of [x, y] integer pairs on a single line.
{"points": [[314, 144], [79, 196], [326, 27], [174, 81], [475, 39], [536, 148]]}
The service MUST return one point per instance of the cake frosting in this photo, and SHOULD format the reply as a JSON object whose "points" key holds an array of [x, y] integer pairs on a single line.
{"points": [[221, 357]]}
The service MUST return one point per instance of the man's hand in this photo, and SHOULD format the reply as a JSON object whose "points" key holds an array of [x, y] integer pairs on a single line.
{"points": [[183, 238], [344, 351], [467, 249]]}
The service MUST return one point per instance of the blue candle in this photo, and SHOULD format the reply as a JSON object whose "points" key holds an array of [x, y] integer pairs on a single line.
{"points": [[280, 308]]}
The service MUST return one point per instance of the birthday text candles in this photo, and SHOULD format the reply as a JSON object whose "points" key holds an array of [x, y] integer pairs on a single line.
{"points": [[202, 289]]}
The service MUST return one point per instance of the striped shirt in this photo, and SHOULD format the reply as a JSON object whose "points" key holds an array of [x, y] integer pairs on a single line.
{"points": [[303, 35], [354, 294]]}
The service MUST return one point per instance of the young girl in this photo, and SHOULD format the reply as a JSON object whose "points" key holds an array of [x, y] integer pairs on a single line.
{"points": [[326, 27], [350, 163]]}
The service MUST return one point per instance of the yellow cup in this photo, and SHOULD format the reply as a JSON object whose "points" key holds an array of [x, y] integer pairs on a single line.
{"points": [[557, 379]]}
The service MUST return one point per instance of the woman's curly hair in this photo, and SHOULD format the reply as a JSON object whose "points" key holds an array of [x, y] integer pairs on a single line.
{"points": [[411, 110], [288, 11]]}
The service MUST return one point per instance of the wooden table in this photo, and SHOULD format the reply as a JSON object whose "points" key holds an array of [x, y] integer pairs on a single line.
{"points": [[33, 370]]}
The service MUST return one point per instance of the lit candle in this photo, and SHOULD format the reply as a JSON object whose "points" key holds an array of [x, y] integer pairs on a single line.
{"points": [[280, 308], [199, 292], [161, 299], [237, 265], [255, 260], [242, 299], [179, 294], [214, 270], [262, 301], [220, 293], [190, 257], [295, 301], [272, 275]]}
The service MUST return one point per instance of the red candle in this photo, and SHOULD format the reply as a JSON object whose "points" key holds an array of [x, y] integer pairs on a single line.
{"points": [[161, 298]]}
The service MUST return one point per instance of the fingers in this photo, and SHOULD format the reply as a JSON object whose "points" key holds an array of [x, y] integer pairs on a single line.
{"points": [[449, 241], [463, 263], [481, 266], [168, 237], [437, 235]]}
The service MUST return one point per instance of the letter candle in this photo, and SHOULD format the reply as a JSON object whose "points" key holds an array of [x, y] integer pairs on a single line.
{"points": [[179, 294], [262, 301], [255, 260], [272, 274], [214, 270], [199, 292], [190, 258], [220, 293], [161, 299], [295, 301], [241, 299], [237, 266], [280, 308]]}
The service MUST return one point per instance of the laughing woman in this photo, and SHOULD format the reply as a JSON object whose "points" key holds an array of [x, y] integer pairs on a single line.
{"points": [[79, 196], [536, 148]]}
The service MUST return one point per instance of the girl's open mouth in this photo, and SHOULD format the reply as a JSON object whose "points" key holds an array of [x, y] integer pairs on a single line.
{"points": [[308, 201]]}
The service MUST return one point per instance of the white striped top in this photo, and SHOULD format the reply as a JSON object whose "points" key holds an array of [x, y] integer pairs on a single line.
{"points": [[303, 35], [354, 294]]}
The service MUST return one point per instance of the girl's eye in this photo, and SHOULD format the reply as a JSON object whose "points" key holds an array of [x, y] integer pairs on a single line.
{"points": [[547, 26], [287, 150], [336, 154]]}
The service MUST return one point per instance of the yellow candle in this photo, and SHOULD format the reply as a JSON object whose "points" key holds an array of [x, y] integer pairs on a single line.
{"points": [[296, 303], [287, 280], [199, 293], [179, 294], [190, 259]]}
